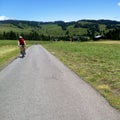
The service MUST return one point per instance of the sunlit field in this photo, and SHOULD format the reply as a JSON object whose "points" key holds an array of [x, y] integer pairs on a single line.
{"points": [[98, 63], [9, 50]]}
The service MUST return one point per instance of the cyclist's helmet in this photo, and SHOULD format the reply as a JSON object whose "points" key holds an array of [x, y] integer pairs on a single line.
{"points": [[20, 37]]}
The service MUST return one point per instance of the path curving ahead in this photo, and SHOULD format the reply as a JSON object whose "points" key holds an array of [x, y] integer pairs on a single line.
{"points": [[40, 87]]}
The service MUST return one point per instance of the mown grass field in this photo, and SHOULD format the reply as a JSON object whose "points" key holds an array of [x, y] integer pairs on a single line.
{"points": [[9, 51], [98, 63]]}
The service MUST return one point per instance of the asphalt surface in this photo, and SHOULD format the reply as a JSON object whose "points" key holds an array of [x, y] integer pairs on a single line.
{"points": [[40, 87]]}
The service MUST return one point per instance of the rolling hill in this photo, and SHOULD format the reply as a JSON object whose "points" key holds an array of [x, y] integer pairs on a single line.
{"points": [[61, 29]]}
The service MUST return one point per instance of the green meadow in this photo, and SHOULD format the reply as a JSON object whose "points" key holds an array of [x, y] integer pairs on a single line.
{"points": [[98, 63], [9, 51]]}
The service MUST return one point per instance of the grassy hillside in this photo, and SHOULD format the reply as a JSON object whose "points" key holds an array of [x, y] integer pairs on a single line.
{"points": [[59, 28]]}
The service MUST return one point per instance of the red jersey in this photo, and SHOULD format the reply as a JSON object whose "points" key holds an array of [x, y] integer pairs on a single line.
{"points": [[21, 40]]}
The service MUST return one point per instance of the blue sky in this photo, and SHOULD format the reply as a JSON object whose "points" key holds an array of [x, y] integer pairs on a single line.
{"points": [[54, 10]]}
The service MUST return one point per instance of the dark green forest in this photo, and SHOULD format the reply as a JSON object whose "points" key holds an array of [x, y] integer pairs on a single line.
{"points": [[82, 30]]}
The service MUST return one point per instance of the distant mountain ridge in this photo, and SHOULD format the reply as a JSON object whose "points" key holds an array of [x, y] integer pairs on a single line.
{"points": [[90, 20], [101, 21]]}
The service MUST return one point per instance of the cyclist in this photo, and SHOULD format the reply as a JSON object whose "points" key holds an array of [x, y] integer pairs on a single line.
{"points": [[22, 44]]}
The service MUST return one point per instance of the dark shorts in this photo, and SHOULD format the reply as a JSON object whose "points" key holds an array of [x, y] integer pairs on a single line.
{"points": [[23, 45]]}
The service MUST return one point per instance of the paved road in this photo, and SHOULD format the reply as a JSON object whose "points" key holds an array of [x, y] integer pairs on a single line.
{"points": [[40, 87]]}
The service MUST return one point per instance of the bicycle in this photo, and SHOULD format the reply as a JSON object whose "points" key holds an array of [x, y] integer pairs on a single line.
{"points": [[22, 50]]}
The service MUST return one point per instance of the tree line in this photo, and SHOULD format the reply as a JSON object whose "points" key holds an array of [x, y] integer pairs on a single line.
{"points": [[34, 35], [28, 36]]}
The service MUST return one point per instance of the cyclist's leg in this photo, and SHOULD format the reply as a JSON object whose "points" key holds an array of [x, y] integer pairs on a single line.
{"points": [[24, 49], [20, 49]]}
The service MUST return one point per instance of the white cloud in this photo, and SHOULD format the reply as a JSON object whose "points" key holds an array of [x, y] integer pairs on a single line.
{"points": [[4, 18], [119, 4]]}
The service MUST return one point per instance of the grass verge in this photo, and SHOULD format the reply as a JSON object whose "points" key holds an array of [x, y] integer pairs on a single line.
{"points": [[98, 64], [9, 51]]}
